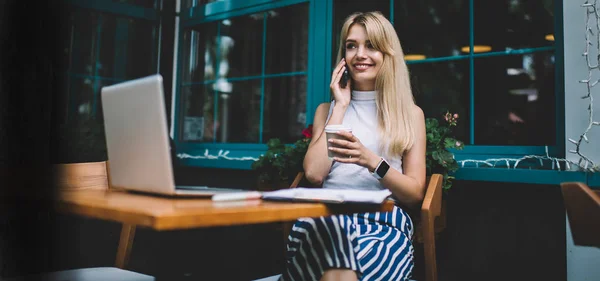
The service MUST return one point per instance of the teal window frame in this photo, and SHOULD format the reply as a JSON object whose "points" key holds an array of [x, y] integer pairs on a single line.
{"points": [[318, 56], [319, 64], [117, 9]]}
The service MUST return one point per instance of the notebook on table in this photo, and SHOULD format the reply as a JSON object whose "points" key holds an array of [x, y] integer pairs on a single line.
{"points": [[328, 195]]}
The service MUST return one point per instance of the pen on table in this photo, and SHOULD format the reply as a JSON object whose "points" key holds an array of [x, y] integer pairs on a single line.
{"points": [[236, 196]]}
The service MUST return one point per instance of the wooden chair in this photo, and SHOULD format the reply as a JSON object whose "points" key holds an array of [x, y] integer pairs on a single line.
{"points": [[582, 205], [430, 221], [93, 175]]}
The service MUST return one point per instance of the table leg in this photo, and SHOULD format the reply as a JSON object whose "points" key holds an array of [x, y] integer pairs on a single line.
{"points": [[125, 243]]}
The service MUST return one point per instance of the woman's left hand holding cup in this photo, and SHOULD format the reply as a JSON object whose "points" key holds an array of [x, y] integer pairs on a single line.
{"points": [[353, 151]]}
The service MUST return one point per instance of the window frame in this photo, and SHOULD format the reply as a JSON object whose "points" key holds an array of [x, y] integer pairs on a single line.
{"points": [[123, 10], [201, 154], [319, 60]]}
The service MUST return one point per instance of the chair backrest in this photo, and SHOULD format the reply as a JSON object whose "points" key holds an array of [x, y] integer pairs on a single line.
{"points": [[432, 220], [89, 175], [583, 211]]}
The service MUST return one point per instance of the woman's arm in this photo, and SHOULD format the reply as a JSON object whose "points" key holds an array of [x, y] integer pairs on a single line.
{"points": [[316, 163], [408, 187]]}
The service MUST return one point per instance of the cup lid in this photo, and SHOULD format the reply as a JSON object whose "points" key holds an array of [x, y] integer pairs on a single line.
{"points": [[335, 128]]}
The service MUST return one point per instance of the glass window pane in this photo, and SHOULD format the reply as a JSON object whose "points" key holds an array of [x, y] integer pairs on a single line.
{"points": [[515, 100], [142, 47], [287, 39], [344, 8], [193, 3], [513, 24], [60, 102], [83, 97], [285, 108], [443, 26], [85, 35], [441, 87], [106, 65], [199, 51], [198, 112], [143, 3], [239, 112], [239, 49], [81, 100]]}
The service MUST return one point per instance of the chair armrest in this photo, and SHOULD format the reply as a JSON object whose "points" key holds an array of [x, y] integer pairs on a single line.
{"points": [[582, 205], [297, 180], [432, 203]]}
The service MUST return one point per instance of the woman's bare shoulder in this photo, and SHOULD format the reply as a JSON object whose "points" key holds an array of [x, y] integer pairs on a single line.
{"points": [[322, 109]]}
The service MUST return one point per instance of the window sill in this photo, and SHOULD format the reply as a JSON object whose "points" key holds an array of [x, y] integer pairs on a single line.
{"points": [[524, 175], [241, 157]]}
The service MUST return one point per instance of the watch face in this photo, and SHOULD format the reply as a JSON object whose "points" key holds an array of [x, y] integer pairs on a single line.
{"points": [[382, 169]]}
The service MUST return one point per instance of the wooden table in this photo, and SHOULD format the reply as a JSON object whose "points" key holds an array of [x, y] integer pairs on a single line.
{"points": [[165, 213]]}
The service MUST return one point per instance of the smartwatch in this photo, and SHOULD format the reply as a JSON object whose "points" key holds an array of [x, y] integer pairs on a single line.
{"points": [[381, 169]]}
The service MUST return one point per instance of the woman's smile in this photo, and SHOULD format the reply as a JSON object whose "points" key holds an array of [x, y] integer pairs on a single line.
{"points": [[362, 66]]}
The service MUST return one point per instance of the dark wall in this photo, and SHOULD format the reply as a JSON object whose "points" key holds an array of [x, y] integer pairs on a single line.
{"points": [[29, 79], [503, 231]]}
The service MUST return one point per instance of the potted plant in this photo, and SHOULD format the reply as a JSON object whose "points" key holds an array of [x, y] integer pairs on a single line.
{"points": [[281, 162], [440, 142]]}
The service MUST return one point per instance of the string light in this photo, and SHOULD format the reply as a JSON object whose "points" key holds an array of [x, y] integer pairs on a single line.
{"points": [[221, 155]]}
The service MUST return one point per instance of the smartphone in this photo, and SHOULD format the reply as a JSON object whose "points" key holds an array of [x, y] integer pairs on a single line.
{"points": [[345, 75]]}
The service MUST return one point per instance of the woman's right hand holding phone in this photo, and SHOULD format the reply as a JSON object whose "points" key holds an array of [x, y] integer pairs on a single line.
{"points": [[341, 95]]}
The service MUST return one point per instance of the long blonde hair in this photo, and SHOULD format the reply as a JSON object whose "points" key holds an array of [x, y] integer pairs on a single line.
{"points": [[394, 98]]}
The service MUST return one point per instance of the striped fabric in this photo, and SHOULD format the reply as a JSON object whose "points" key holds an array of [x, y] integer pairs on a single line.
{"points": [[376, 245]]}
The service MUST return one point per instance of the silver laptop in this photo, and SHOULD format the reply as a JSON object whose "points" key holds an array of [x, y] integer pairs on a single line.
{"points": [[137, 140]]}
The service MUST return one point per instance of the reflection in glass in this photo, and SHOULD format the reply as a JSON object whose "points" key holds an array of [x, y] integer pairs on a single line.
{"points": [[127, 47], [239, 113], [287, 39], [194, 3], [82, 100], [198, 111], [431, 28], [141, 47], [240, 46], [221, 74], [441, 87], [143, 3], [199, 51], [513, 24], [84, 48], [515, 100], [284, 108], [344, 8], [107, 66]]}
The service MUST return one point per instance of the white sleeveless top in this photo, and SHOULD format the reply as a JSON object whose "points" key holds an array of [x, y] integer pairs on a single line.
{"points": [[361, 116]]}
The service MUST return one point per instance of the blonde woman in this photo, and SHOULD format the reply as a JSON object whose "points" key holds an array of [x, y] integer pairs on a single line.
{"points": [[386, 149]]}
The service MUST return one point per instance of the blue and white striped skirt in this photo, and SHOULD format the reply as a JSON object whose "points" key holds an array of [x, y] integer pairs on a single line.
{"points": [[376, 245]]}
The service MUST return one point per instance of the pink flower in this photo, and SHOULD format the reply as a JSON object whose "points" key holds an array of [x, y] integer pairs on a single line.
{"points": [[458, 144], [455, 115]]}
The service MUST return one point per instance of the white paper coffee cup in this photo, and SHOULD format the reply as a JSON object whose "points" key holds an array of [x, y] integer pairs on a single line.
{"points": [[331, 133]]}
